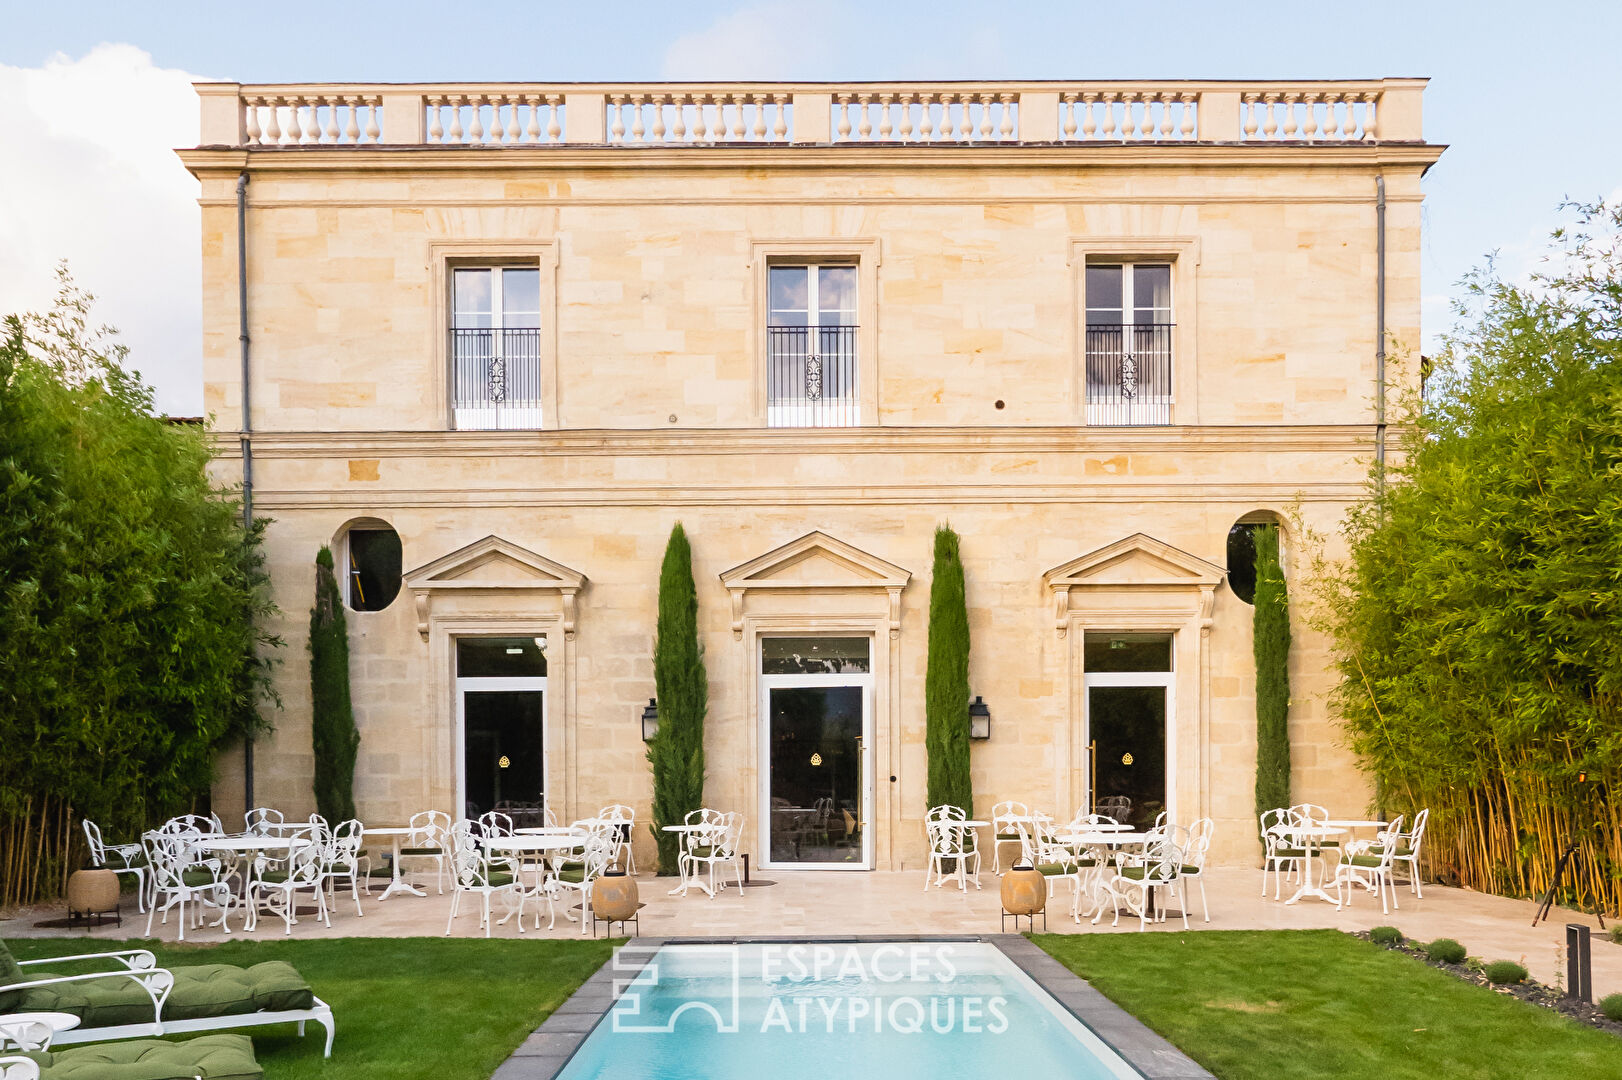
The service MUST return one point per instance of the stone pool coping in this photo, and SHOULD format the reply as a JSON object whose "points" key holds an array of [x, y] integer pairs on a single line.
{"points": [[548, 1049]]}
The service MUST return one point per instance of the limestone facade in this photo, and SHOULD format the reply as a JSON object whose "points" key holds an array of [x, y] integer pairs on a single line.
{"points": [[971, 292]]}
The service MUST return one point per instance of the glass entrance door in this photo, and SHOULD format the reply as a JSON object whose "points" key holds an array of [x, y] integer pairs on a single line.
{"points": [[501, 699], [817, 788], [1128, 680]]}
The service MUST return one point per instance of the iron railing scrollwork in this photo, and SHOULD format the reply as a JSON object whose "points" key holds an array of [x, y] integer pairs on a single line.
{"points": [[811, 376], [496, 378], [1129, 373]]}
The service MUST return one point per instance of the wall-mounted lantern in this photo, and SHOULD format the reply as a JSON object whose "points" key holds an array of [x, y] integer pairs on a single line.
{"points": [[979, 719], [650, 721]]}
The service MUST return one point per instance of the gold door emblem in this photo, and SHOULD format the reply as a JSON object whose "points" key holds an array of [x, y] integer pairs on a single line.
{"points": [[1126, 759]]}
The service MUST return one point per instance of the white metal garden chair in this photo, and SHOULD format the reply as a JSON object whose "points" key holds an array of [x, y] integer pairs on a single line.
{"points": [[1194, 854], [1137, 876], [429, 842], [623, 819], [179, 879], [1361, 865], [263, 821], [193, 824], [474, 872], [495, 823], [1005, 829], [276, 890], [1039, 845], [343, 861], [950, 841], [1406, 847], [600, 849], [721, 849], [120, 859], [1280, 853], [15, 1067]]}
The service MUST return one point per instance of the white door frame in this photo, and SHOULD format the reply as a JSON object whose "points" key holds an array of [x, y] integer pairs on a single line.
{"points": [[477, 684], [768, 683], [1165, 679]]}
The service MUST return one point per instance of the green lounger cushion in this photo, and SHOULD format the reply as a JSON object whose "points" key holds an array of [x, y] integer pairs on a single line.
{"points": [[10, 972], [1289, 853], [1008, 836], [1052, 869], [197, 878], [1403, 851], [422, 851], [499, 878], [201, 991], [215, 1057], [1364, 860], [575, 876]]}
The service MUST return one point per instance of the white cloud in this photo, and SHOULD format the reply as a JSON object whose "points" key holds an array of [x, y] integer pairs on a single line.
{"points": [[91, 177], [767, 41]]}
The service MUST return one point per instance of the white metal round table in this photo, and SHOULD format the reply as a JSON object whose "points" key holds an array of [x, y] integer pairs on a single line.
{"points": [[1309, 838], [33, 1031], [396, 882], [549, 830]]}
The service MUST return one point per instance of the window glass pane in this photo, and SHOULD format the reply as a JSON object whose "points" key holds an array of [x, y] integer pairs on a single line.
{"points": [[1104, 294], [520, 297], [494, 657], [813, 656], [1151, 293], [836, 295], [788, 288], [471, 301], [1126, 652]]}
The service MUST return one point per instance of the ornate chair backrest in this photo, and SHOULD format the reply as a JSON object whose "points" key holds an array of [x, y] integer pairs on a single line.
{"points": [[824, 808], [617, 812], [945, 836], [262, 821], [168, 855], [304, 862], [1162, 861], [1309, 814], [319, 830], [92, 835], [1392, 833], [495, 823], [1417, 833], [1003, 814], [600, 851], [1082, 821], [1272, 821], [1160, 819], [345, 844], [468, 865], [191, 823], [731, 835], [1199, 842], [429, 828]]}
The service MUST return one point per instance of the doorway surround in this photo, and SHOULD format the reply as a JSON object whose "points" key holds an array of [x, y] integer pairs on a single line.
{"points": [[1140, 584], [495, 588], [820, 586]]}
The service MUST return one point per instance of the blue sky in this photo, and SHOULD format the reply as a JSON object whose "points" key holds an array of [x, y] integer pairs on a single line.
{"points": [[1524, 94]]}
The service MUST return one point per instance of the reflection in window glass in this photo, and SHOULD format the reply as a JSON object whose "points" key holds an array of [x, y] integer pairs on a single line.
{"points": [[788, 289], [373, 570], [1104, 294], [500, 657], [520, 298], [472, 296], [1104, 651], [1151, 293], [813, 656], [836, 295]]}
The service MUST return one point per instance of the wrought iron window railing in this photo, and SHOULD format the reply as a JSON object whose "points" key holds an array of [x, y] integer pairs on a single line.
{"points": [[811, 376], [496, 378], [1129, 373]]}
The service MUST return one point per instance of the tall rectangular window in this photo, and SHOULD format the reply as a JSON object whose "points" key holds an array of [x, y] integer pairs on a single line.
{"points": [[495, 347], [811, 327], [1129, 334]]}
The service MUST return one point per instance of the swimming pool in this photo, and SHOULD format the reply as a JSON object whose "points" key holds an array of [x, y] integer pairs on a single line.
{"points": [[893, 1010]]}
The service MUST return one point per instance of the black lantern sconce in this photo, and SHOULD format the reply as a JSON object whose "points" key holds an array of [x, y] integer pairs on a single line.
{"points": [[650, 721], [979, 719]]}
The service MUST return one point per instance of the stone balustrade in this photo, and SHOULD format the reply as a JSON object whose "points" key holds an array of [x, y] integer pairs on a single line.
{"points": [[814, 114]]}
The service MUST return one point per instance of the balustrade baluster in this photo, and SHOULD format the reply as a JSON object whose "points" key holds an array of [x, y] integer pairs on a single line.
{"points": [[1371, 117], [1165, 116], [616, 131], [1185, 129], [759, 128], [1067, 116], [1006, 128], [329, 130], [780, 117], [514, 132], [657, 133], [736, 104], [1309, 124], [986, 101], [1346, 123], [532, 124], [436, 130], [1290, 106], [554, 119], [1089, 115], [454, 135], [1248, 103], [886, 128], [965, 118], [309, 128], [638, 129], [1270, 128], [352, 121], [864, 129], [250, 120], [843, 129], [678, 129], [476, 131]]}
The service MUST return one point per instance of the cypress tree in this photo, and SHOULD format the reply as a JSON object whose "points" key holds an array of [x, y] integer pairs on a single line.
{"points": [[332, 720], [680, 683], [1271, 622], [946, 680]]}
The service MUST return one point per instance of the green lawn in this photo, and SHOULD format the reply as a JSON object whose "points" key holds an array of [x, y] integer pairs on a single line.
{"points": [[406, 1008], [1294, 1005]]}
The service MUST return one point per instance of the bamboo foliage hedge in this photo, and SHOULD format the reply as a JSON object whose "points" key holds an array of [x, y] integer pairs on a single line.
{"points": [[128, 648], [1478, 618]]}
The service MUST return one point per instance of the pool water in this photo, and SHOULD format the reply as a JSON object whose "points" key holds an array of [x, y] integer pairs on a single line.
{"points": [[895, 1011]]}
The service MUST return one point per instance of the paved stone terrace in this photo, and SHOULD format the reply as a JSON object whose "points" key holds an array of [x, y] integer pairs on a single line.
{"points": [[821, 903]]}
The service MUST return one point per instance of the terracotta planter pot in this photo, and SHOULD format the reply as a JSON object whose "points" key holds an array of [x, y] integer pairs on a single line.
{"points": [[613, 895], [91, 892], [1024, 890]]}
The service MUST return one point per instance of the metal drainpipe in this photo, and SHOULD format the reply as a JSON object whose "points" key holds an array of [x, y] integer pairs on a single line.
{"points": [[1379, 383], [246, 435]]}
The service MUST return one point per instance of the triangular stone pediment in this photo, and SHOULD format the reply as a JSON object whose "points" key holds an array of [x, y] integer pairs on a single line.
{"points": [[816, 561], [1139, 560], [494, 563]]}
